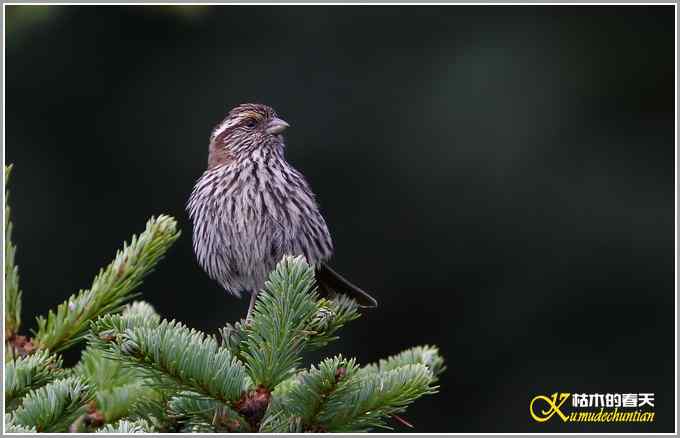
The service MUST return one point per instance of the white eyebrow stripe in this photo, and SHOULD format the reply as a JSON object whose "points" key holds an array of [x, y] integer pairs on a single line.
{"points": [[225, 125], [229, 122]]}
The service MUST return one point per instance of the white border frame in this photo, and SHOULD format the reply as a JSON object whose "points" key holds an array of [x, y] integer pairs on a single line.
{"points": [[311, 3]]}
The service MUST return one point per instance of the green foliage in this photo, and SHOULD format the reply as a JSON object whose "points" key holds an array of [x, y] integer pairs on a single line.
{"points": [[338, 396], [175, 356], [117, 388], [195, 413], [308, 399], [120, 391], [119, 402], [111, 287], [27, 373], [53, 407], [12, 427], [277, 333], [125, 426], [288, 318], [103, 373], [303, 399], [12, 291], [139, 373], [155, 411], [329, 318], [141, 313], [364, 403], [278, 420], [426, 355]]}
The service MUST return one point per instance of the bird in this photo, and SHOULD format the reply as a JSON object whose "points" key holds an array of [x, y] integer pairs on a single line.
{"points": [[251, 207]]}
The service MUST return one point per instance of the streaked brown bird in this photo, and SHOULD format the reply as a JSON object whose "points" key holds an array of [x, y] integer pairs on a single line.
{"points": [[251, 207]]}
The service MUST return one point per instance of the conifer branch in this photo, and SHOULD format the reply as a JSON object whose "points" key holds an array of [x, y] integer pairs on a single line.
{"points": [[141, 374], [117, 388], [426, 355], [12, 427], [111, 287], [127, 426], [198, 414], [309, 397], [120, 390], [277, 418], [141, 313], [330, 317], [103, 373], [12, 291], [119, 402], [155, 411], [367, 400], [177, 357], [53, 407], [301, 404], [278, 331], [338, 396], [27, 373]]}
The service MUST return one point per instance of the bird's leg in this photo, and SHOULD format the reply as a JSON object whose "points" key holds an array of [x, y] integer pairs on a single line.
{"points": [[253, 298]]}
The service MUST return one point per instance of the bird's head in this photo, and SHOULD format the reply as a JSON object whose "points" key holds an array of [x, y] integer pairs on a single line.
{"points": [[247, 128]]}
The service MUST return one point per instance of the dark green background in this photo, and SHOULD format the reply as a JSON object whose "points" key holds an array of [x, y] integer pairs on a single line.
{"points": [[500, 178]]}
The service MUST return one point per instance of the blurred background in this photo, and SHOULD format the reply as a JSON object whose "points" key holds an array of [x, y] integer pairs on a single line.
{"points": [[500, 178]]}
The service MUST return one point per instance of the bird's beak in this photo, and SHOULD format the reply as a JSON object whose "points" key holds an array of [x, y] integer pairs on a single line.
{"points": [[277, 126]]}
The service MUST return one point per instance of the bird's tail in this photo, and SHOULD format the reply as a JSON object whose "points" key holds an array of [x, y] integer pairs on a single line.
{"points": [[331, 283]]}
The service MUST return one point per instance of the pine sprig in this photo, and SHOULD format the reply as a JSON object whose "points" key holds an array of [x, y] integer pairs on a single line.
{"points": [[119, 402], [53, 407], [198, 414], [278, 332], [278, 420], [141, 313], [117, 388], [426, 355], [308, 398], [277, 417], [330, 317], [27, 373], [127, 426], [12, 291], [366, 401], [174, 355], [12, 427], [103, 373], [111, 287], [155, 411]]}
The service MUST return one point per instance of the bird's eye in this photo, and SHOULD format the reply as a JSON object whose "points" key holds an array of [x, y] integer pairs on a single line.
{"points": [[251, 123]]}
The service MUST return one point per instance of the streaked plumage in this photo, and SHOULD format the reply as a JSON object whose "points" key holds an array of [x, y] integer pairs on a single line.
{"points": [[251, 207]]}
